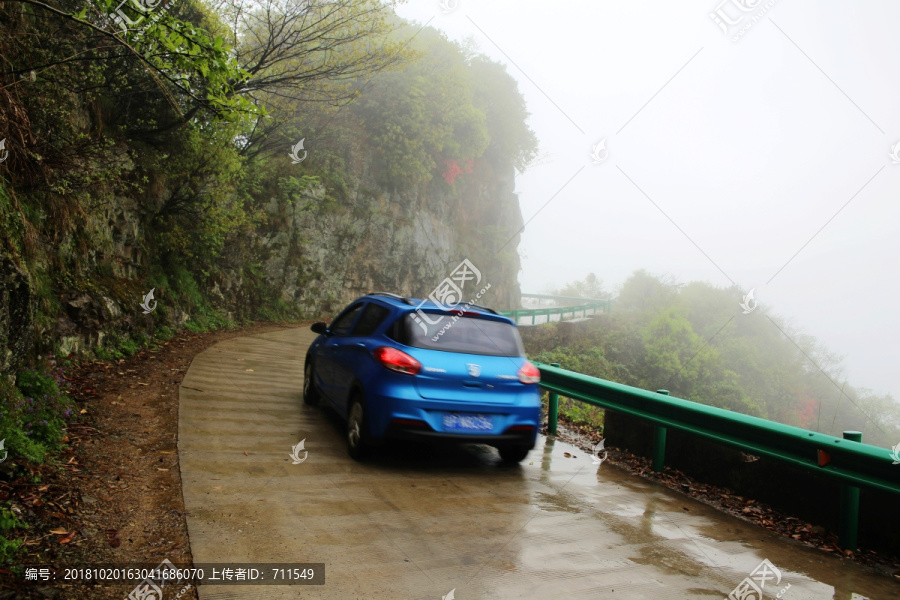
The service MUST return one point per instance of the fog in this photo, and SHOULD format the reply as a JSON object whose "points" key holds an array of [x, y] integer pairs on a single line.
{"points": [[761, 161]]}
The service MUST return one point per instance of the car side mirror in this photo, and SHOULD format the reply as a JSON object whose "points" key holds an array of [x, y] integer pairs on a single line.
{"points": [[319, 327]]}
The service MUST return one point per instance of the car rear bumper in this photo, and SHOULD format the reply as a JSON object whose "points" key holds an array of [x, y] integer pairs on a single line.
{"points": [[396, 410], [424, 433]]}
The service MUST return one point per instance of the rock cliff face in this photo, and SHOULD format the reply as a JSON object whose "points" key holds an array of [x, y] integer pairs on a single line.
{"points": [[407, 244], [311, 253]]}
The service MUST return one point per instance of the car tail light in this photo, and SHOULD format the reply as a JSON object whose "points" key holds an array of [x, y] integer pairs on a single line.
{"points": [[397, 360], [529, 373]]}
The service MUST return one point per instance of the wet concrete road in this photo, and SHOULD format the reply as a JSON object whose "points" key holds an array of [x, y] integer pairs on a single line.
{"points": [[415, 524]]}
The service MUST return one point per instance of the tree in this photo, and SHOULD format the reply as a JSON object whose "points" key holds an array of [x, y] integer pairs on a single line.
{"points": [[590, 287], [644, 292], [297, 53]]}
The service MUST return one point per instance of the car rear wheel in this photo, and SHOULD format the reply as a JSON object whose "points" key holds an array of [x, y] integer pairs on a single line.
{"points": [[310, 393], [513, 454], [357, 429]]}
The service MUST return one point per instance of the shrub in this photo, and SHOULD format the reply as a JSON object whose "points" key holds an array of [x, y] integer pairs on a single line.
{"points": [[8, 548], [33, 413]]}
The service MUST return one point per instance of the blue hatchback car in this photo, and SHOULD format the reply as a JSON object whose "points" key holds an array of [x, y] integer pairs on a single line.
{"points": [[402, 368]]}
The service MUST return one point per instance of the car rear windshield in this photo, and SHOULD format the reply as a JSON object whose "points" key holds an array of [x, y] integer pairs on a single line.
{"points": [[451, 333]]}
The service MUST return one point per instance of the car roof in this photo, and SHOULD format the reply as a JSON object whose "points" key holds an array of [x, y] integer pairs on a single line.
{"points": [[418, 303]]}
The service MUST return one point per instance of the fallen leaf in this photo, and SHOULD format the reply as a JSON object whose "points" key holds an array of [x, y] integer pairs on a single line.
{"points": [[161, 469], [245, 453], [567, 455], [43, 488], [59, 531], [251, 370], [66, 539], [83, 411], [167, 451]]}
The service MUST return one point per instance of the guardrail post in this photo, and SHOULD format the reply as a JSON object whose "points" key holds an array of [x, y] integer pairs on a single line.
{"points": [[849, 526], [553, 411], [659, 443]]}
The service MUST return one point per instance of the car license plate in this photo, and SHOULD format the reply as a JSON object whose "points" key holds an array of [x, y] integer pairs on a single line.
{"points": [[467, 422]]}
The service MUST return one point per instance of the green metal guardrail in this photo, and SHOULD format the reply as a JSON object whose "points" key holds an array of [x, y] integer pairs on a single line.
{"points": [[848, 460], [516, 315]]}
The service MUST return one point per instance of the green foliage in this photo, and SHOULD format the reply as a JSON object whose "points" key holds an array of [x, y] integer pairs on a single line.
{"points": [[590, 287], [209, 320], [577, 412], [693, 340], [33, 413], [8, 548], [116, 347], [279, 311], [194, 66], [441, 111], [497, 94]]}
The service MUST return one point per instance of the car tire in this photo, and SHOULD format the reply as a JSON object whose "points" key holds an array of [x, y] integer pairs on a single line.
{"points": [[513, 454], [357, 429], [310, 393]]}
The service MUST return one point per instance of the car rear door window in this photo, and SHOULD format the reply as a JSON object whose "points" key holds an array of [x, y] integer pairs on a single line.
{"points": [[372, 316], [470, 335], [344, 322]]}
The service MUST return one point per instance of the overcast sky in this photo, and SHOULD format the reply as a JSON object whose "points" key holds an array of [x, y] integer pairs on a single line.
{"points": [[763, 162]]}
